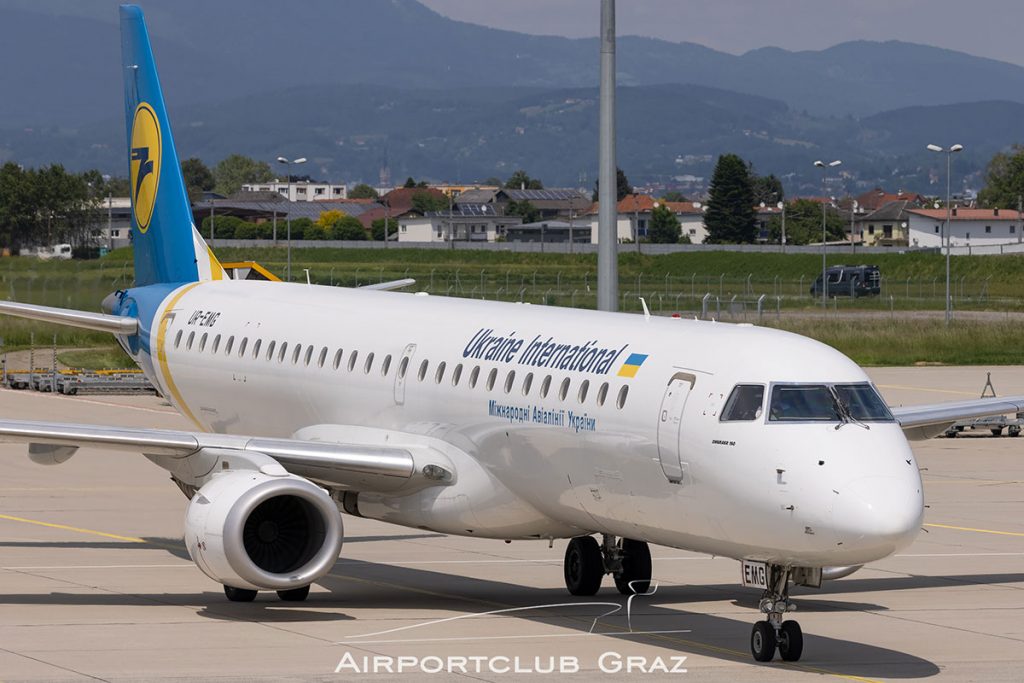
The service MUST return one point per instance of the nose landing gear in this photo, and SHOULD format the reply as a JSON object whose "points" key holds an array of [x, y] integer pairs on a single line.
{"points": [[773, 633], [587, 561]]}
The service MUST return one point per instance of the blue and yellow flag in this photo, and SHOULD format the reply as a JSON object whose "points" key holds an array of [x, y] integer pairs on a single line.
{"points": [[632, 364]]}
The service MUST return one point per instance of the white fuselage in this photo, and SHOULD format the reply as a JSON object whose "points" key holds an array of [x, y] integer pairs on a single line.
{"points": [[645, 457]]}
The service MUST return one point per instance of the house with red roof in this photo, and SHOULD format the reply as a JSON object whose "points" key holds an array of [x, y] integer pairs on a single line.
{"points": [[968, 227]]}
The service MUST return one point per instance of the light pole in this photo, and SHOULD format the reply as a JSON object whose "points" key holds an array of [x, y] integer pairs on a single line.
{"points": [[287, 162], [853, 224], [636, 221], [782, 208], [949, 156], [824, 207]]}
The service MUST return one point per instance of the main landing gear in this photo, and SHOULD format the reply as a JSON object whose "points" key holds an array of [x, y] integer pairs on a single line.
{"points": [[773, 633], [587, 561], [247, 595]]}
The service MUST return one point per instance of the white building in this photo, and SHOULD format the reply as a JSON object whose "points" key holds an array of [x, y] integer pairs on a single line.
{"points": [[634, 215], [301, 191], [969, 227], [465, 223]]}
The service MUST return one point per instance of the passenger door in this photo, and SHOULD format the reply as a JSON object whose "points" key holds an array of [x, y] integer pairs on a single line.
{"points": [[670, 420]]}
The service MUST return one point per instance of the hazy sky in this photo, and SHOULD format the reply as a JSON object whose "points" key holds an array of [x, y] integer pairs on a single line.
{"points": [[987, 28]]}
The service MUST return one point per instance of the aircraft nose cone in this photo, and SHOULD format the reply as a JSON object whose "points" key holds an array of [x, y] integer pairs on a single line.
{"points": [[878, 515]]}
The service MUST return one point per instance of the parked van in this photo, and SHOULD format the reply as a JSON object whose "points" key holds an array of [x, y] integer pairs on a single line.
{"points": [[850, 281]]}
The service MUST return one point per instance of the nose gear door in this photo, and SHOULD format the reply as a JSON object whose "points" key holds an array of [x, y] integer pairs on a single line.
{"points": [[669, 424]]}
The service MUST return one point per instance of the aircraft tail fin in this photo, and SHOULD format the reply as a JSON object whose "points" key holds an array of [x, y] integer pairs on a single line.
{"points": [[168, 248]]}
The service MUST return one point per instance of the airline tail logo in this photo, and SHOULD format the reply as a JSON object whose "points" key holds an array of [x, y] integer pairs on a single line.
{"points": [[145, 164]]}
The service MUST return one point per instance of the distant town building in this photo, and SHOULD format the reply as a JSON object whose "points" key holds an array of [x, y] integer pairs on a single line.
{"points": [[300, 191], [634, 215], [967, 227], [463, 223], [872, 200], [887, 226], [114, 226], [547, 232]]}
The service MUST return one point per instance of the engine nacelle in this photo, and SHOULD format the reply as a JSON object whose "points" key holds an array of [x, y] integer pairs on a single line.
{"points": [[248, 529]]}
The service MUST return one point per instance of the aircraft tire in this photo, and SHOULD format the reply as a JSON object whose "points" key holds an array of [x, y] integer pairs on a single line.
{"points": [[239, 594], [636, 568], [294, 594], [791, 641], [583, 567], [762, 641]]}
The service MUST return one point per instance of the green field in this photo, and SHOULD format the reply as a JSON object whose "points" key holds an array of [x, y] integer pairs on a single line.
{"points": [[732, 282]]}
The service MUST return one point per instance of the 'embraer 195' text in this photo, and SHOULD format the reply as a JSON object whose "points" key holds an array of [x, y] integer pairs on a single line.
{"points": [[542, 353]]}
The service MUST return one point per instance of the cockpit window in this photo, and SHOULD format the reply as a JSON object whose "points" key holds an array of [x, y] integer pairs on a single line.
{"points": [[793, 402], [863, 402], [744, 404], [827, 403]]}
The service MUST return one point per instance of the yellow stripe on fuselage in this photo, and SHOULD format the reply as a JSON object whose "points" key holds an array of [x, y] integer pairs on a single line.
{"points": [[161, 352]]}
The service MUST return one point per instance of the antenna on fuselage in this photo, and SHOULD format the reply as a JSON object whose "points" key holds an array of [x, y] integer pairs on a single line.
{"points": [[647, 311]]}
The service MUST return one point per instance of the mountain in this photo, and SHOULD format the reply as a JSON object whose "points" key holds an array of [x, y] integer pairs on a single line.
{"points": [[68, 67], [665, 132]]}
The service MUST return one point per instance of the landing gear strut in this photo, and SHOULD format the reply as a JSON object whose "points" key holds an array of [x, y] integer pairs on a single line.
{"points": [[773, 633], [587, 561]]}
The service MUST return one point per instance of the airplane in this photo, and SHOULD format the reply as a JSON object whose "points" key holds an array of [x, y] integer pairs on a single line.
{"points": [[485, 419]]}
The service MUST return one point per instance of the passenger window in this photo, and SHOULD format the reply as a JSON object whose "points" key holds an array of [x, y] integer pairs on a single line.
{"points": [[527, 383], [337, 358], [474, 376], [456, 375], [202, 342], [352, 361], [177, 339], [602, 394], [423, 370], [492, 376], [439, 375], [323, 357], [296, 353], [369, 363], [216, 344], [308, 358], [283, 352], [744, 404], [563, 390], [509, 381], [385, 366], [403, 367], [545, 386], [256, 348], [191, 338], [270, 349], [620, 402], [241, 347], [230, 345], [582, 393]]}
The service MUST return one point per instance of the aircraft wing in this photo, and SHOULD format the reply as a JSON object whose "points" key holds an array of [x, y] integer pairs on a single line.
{"points": [[927, 421], [194, 455]]}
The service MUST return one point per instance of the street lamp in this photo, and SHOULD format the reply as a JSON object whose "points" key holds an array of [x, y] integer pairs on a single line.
{"points": [[949, 155], [287, 162], [824, 207], [782, 208], [636, 221]]}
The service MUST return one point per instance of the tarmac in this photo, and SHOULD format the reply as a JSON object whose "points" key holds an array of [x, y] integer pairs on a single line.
{"points": [[95, 583]]}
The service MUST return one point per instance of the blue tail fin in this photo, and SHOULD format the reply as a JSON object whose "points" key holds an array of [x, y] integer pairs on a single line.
{"points": [[168, 248]]}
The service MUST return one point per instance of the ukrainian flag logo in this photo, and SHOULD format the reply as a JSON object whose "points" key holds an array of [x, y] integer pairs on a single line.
{"points": [[632, 364]]}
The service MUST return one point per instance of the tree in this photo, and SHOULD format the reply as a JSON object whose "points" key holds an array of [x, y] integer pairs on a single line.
{"points": [[299, 227], [803, 224], [377, 228], [493, 181], [622, 186], [198, 178], [327, 219], [730, 217], [529, 212], [767, 189], [236, 170], [1004, 180], [363, 191], [428, 201], [520, 180], [674, 196], [349, 228], [410, 183], [664, 227]]}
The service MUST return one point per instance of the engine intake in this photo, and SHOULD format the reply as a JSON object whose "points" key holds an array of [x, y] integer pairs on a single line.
{"points": [[251, 530]]}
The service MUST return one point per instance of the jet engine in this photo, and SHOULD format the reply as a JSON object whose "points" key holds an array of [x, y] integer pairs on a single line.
{"points": [[251, 530]]}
